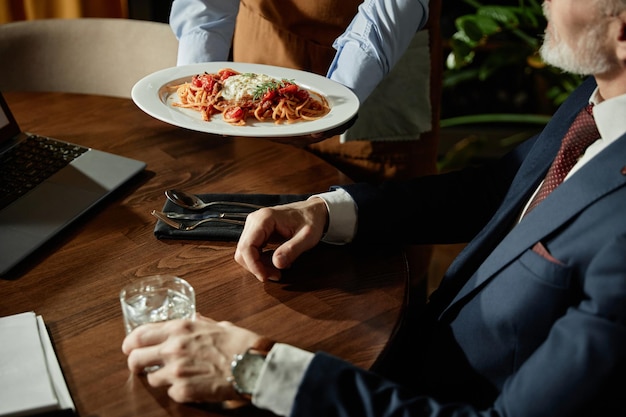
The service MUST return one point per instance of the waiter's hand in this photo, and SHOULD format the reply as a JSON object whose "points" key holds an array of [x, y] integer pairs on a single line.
{"points": [[305, 140]]}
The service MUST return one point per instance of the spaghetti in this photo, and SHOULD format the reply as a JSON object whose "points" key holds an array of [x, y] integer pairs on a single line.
{"points": [[239, 96]]}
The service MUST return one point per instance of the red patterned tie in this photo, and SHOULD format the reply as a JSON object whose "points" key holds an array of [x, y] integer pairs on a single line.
{"points": [[582, 133]]}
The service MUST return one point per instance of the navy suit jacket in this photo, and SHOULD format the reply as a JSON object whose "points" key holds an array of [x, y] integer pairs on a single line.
{"points": [[530, 319]]}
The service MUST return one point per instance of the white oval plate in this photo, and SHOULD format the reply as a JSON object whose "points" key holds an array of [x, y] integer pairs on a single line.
{"points": [[152, 95]]}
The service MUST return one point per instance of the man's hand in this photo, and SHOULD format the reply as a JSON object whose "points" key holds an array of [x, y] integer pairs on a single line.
{"points": [[301, 226], [194, 356]]}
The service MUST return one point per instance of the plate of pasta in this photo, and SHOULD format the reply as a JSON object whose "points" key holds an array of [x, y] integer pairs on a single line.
{"points": [[241, 99]]}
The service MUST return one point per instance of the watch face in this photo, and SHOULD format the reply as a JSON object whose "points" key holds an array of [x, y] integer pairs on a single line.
{"points": [[246, 369]]}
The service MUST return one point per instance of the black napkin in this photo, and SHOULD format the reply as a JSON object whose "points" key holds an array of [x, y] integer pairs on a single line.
{"points": [[218, 230]]}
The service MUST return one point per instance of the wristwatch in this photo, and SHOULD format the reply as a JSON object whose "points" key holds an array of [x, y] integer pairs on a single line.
{"points": [[245, 370]]}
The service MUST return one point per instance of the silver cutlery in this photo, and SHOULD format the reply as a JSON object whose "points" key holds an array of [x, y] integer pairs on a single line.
{"points": [[194, 202], [190, 225], [203, 215]]}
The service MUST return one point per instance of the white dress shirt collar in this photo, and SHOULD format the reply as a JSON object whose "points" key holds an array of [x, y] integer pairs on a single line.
{"points": [[609, 116]]}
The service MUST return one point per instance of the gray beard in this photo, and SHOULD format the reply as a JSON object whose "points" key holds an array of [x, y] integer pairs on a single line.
{"points": [[588, 58]]}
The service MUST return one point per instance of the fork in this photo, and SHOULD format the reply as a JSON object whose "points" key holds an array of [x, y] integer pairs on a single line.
{"points": [[202, 215], [185, 226]]}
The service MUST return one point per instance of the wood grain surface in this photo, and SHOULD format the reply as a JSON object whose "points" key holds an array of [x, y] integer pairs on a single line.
{"points": [[343, 300]]}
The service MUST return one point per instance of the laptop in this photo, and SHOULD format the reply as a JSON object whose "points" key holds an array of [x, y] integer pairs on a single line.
{"points": [[46, 184]]}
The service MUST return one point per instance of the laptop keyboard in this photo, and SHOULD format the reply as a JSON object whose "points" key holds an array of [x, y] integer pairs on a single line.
{"points": [[30, 162]]}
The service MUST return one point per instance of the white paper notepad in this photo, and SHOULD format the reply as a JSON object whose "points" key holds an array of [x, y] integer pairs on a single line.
{"points": [[31, 380]]}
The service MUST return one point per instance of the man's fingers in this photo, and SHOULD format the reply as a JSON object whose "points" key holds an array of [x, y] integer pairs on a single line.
{"points": [[250, 248], [270, 271], [256, 261], [289, 251], [139, 359], [145, 335]]}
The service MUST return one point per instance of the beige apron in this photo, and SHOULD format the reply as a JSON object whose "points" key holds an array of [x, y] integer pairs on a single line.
{"points": [[291, 33]]}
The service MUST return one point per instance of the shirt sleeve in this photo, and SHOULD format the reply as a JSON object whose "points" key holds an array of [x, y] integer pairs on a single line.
{"points": [[204, 29], [280, 378], [374, 41], [342, 216]]}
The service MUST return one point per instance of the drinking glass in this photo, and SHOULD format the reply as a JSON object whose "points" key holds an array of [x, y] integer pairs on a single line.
{"points": [[157, 298]]}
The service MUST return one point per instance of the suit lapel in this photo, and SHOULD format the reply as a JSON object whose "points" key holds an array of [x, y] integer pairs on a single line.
{"points": [[530, 174], [532, 170], [598, 177]]}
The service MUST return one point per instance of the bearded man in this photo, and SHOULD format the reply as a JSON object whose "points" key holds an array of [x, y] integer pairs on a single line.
{"points": [[529, 320]]}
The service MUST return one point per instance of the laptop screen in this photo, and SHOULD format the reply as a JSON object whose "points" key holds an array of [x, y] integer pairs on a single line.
{"points": [[8, 126]]}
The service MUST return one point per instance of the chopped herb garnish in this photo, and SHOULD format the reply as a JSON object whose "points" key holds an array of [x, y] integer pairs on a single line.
{"points": [[263, 88]]}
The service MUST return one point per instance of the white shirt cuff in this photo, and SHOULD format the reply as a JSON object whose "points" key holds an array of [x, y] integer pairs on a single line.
{"points": [[280, 378], [342, 216]]}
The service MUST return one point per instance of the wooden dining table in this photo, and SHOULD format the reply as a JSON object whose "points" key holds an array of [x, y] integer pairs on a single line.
{"points": [[344, 300]]}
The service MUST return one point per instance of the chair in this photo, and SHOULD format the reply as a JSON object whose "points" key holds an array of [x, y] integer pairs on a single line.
{"points": [[105, 56]]}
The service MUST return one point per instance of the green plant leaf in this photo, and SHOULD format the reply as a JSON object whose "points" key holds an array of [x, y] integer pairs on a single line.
{"points": [[532, 17], [470, 27], [453, 78], [505, 15], [452, 62], [530, 119], [462, 52], [461, 43], [499, 38]]}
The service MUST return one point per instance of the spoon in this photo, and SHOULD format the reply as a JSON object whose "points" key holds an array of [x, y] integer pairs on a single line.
{"points": [[193, 202]]}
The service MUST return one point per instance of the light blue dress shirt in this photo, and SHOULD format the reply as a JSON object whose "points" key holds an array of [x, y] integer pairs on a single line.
{"points": [[372, 44]]}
